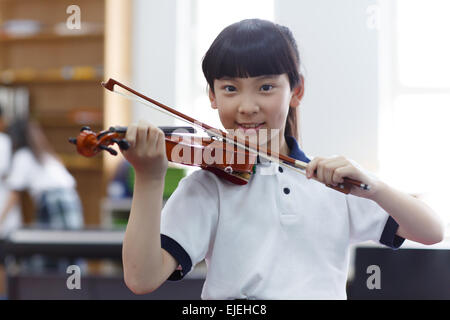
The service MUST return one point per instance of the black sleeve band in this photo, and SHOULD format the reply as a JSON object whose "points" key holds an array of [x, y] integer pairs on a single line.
{"points": [[388, 237], [179, 254]]}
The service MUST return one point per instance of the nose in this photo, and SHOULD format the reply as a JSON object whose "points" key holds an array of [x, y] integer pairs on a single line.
{"points": [[248, 106]]}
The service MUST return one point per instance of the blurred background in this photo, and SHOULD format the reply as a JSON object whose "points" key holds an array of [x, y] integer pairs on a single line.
{"points": [[377, 91]]}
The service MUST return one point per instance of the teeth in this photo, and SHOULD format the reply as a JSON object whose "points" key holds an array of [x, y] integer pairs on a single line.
{"points": [[250, 125]]}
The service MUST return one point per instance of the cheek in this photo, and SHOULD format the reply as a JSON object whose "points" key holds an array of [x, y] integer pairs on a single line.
{"points": [[226, 117], [278, 110]]}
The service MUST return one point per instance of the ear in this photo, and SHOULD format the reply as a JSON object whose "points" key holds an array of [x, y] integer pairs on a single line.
{"points": [[212, 98], [297, 94]]}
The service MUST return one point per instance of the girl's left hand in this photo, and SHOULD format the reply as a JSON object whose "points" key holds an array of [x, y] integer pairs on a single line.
{"points": [[333, 170]]}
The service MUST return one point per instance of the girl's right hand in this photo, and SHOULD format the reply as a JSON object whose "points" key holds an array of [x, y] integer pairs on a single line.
{"points": [[147, 152]]}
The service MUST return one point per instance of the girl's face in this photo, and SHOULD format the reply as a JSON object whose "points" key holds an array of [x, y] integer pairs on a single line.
{"points": [[255, 107]]}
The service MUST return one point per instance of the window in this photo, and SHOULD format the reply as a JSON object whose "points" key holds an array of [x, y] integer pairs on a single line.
{"points": [[415, 152]]}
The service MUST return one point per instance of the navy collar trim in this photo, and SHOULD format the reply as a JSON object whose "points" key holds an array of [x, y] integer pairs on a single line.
{"points": [[296, 152]]}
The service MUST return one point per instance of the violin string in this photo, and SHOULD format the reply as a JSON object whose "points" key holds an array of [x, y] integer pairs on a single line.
{"points": [[248, 148], [140, 100]]}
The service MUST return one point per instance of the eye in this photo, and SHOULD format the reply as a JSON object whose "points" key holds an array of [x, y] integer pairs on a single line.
{"points": [[266, 87], [229, 88]]}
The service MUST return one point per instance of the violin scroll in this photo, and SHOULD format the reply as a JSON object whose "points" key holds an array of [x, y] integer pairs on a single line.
{"points": [[90, 143]]}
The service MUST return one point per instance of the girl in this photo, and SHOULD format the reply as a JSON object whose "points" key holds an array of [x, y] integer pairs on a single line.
{"points": [[36, 168], [281, 236]]}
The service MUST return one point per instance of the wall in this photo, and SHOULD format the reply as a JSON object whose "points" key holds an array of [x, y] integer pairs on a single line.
{"points": [[153, 55], [339, 113]]}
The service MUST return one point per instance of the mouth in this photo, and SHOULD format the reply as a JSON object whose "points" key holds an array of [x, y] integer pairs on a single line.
{"points": [[250, 126]]}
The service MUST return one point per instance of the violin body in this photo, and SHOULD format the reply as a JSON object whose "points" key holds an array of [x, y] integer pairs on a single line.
{"points": [[224, 160]]}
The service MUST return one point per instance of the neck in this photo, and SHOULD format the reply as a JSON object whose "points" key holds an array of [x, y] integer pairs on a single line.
{"points": [[282, 147], [276, 144]]}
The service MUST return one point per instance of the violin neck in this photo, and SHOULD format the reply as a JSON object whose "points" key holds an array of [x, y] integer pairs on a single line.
{"points": [[168, 130]]}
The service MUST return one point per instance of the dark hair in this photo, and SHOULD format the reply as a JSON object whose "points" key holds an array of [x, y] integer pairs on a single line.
{"points": [[252, 48], [28, 134]]}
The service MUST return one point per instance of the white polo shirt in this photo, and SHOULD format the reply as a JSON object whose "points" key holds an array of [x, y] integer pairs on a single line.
{"points": [[281, 236], [27, 173]]}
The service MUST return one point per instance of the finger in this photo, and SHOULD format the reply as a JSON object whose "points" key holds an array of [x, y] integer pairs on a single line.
{"points": [[320, 171], [161, 143], [347, 171], [312, 167], [152, 139], [142, 136], [131, 135], [339, 175], [330, 166]]}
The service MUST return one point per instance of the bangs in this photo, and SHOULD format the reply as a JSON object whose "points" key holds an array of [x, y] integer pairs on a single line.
{"points": [[250, 49]]}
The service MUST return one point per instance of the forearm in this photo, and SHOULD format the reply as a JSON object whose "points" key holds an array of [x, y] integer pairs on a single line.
{"points": [[417, 221], [142, 253]]}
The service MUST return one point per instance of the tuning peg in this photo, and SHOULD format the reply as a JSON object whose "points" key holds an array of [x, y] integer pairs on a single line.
{"points": [[110, 150], [73, 140], [123, 144], [85, 128]]}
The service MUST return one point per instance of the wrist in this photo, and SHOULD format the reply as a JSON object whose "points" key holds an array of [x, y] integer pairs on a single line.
{"points": [[377, 189], [148, 178]]}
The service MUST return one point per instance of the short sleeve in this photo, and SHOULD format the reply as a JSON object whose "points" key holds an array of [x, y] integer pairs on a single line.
{"points": [[19, 176], [188, 221], [5, 154], [368, 221]]}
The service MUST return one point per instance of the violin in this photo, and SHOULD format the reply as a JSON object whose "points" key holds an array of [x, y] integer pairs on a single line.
{"points": [[207, 153], [230, 158]]}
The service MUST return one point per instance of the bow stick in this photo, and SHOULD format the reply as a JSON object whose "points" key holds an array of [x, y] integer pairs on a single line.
{"points": [[288, 162]]}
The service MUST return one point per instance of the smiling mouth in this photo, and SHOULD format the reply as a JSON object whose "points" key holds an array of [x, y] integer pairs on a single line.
{"points": [[249, 126]]}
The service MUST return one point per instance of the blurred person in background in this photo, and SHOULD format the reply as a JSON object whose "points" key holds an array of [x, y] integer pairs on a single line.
{"points": [[12, 219], [36, 169]]}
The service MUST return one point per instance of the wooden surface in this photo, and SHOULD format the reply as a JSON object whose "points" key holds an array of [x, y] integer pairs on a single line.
{"points": [[62, 106]]}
